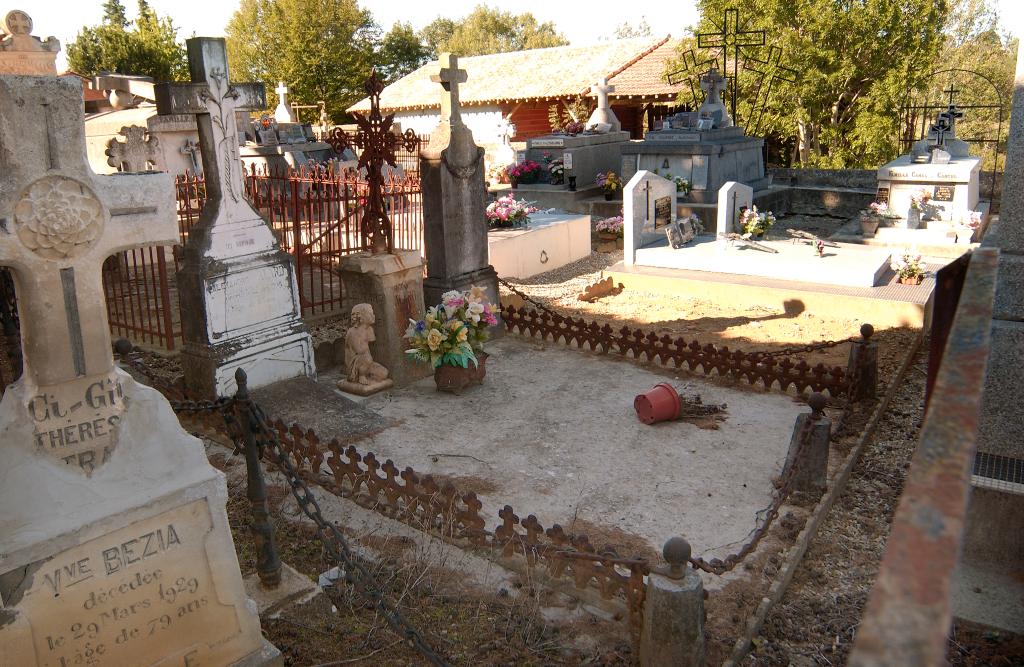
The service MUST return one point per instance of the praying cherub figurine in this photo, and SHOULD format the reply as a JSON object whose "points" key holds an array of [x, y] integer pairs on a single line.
{"points": [[363, 375]]}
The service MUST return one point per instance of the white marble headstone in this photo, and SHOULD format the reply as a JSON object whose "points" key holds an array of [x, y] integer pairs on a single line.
{"points": [[732, 198], [648, 207]]}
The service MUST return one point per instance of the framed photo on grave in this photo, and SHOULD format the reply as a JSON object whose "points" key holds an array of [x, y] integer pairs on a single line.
{"points": [[662, 212], [705, 123], [882, 196]]}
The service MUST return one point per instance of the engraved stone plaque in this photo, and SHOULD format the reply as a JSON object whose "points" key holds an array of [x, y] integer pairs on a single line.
{"points": [[662, 211], [943, 192], [143, 590]]}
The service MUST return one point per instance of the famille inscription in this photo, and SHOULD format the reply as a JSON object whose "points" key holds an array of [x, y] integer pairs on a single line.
{"points": [[142, 586], [78, 423]]}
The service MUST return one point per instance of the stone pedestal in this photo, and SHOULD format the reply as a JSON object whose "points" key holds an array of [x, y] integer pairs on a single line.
{"points": [[393, 285], [673, 629], [706, 158], [130, 563]]}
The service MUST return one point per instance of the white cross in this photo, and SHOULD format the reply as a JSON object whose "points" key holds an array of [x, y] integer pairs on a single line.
{"points": [[59, 222], [450, 76], [602, 89]]}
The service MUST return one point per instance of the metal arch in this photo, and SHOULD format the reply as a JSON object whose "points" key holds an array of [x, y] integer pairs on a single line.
{"points": [[908, 120]]}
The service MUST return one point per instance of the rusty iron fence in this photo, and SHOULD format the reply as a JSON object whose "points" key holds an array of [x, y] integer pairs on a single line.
{"points": [[313, 212], [910, 610], [769, 369]]}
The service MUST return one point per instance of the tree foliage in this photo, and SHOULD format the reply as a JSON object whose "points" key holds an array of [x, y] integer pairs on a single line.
{"points": [[147, 47], [486, 30], [854, 59], [401, 51], [322, 49], [627, 30]]}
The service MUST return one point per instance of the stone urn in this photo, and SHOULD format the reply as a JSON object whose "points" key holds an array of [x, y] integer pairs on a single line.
{"points": [[913, 218], [454, 379]]}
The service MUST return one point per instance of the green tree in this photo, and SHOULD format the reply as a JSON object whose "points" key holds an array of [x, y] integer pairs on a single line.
{"points": [[487, 30], [853, 58], [149, 47], [322, 49], [400, 52], [627, 30]]}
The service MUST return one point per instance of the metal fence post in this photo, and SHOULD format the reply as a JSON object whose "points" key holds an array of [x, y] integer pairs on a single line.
{"points": [[673, 630], [268, 564], [862, 367]]}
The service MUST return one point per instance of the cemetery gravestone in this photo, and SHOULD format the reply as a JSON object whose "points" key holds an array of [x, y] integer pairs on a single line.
{"points": [[454, 196], [23, 53], [283, 113], [648, 208], [732, 199], [603, 114], [228, 323], [114, 537]]}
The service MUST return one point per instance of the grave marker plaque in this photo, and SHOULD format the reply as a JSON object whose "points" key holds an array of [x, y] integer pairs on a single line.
{"points": [[662, 211], [882, 196], [943, 192]]}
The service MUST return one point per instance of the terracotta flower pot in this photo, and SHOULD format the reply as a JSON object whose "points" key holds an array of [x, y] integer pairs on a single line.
{"points": [[911, 280], [662, 403], [456, 378]]}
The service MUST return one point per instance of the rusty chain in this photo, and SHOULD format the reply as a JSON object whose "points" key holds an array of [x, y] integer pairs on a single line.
{"points": [[721, 566], [328, 533]]}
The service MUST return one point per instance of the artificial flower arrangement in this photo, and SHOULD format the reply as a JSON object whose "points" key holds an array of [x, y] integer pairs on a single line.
{"points": [[908, 268], [609, 181], [613, 226], [556, 172], [919, 199], [452, 333], [524, 172], [497, 173], [508, 211], [973, 220], [755, 222], [682, 184], [880, 210]]}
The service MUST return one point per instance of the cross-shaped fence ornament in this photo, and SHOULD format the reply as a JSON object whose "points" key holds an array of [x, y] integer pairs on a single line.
{"points": [[730, 38], [377, 144], [450, 76], [213, 99]]}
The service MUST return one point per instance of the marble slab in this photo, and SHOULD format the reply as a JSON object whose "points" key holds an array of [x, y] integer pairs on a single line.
{"points": [[850, 265], [551, 241]]}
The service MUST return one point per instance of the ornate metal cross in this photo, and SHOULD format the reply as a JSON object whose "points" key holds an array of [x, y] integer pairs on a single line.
{"points": [[689, 66], [771, 70], [952, 114], [731, 38], [377, 143]]}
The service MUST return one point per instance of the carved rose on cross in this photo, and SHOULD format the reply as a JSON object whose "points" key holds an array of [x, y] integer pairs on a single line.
{"points": [[58, 217]]}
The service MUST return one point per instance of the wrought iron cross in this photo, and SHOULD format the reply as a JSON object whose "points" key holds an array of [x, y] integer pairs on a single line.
{"points": [[377, 143], [771, 70], [940, 128], [688, 67], [952, 114], [731, 38]]}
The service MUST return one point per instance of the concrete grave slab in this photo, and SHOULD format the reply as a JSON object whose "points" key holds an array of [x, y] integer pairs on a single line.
{"points": [[552, 432], [550, 242]]}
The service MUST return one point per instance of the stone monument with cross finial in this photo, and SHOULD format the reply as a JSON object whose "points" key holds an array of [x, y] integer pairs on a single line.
{"points": [[138, 151], [713, 107], [603, 114], [283, 112], [115, 542], [23, 53], [228, 324], [454, 198]]}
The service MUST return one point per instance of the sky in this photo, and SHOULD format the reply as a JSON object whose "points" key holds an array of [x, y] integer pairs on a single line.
{"points": [[580, 23]]}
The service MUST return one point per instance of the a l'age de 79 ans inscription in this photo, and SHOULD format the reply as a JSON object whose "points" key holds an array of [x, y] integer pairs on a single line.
{"points": [[137, 596]]}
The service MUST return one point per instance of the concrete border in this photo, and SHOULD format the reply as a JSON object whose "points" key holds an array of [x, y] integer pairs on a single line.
{"points": [[796, 553]]}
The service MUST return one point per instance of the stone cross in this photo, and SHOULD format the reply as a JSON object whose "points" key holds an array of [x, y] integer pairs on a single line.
{"points": [[190, 148], [283, 113], [450, 76], [712, 84], [59, 222], [213, 99], [136, 153], [601, 89]]}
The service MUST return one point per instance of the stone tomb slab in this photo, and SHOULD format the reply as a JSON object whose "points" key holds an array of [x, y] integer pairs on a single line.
{"points": [[552, 432], [550, 242], [850, 265]]}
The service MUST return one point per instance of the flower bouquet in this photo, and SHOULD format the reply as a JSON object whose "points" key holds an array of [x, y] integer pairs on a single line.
{"points": [[524, 172], [755, 223], [508, 212], [556, 172], [874, 216], [610, 183], [909, 270], [611, 227], [451, 338]]}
